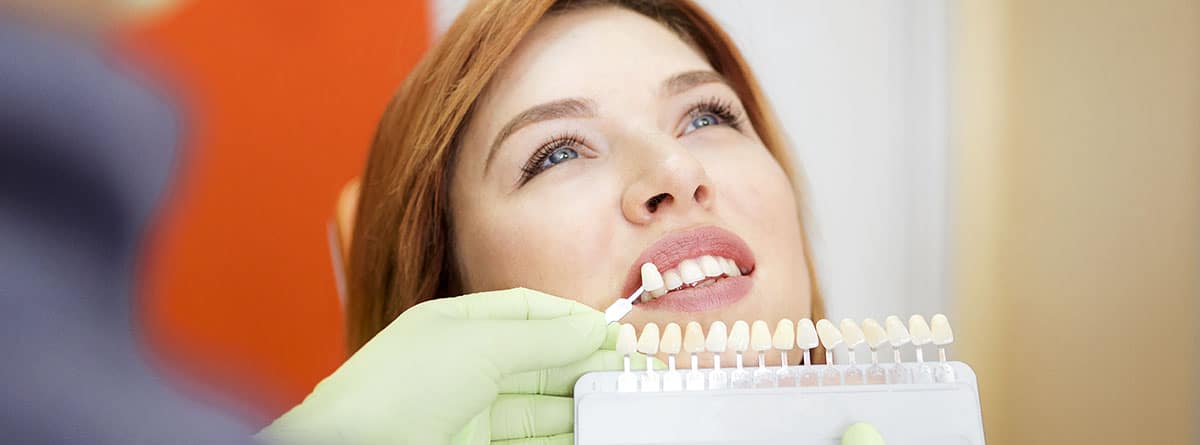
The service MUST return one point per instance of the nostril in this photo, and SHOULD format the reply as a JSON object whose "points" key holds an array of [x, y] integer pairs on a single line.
{"points": [[653, 202]]}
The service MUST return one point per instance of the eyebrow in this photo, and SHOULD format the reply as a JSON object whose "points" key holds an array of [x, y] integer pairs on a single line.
{"points": [[585, 108]]}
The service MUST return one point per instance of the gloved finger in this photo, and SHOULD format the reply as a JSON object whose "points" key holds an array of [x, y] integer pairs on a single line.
{"points": [[515, 304], [558, 439], [528, 416], [612, 331], [476, 432], [561, 381], [862, 434], [514, 346]]}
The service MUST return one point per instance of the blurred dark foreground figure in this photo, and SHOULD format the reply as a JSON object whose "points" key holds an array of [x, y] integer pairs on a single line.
{"points": [[85, 153]]}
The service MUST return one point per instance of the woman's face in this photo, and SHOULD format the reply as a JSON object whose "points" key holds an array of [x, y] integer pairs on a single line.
{"points": [[606, 141]]}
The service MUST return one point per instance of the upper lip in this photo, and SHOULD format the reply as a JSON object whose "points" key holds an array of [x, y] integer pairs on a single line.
{"points": [[674, 247]]}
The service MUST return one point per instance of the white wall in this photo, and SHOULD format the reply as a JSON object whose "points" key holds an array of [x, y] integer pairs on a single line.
{"points": [[861, 87]]}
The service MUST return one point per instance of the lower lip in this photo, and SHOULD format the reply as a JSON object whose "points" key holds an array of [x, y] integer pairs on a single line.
{"points": [[720, 293]]}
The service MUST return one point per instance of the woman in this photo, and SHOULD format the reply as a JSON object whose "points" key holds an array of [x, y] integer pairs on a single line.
{"points": [[554, 146]]}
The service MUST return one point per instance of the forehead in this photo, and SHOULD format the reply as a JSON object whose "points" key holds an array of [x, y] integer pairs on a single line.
{"points": [[595, 52]]}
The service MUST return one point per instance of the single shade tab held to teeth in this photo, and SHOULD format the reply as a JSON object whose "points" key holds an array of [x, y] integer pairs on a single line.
{"points": [[652, 282]]}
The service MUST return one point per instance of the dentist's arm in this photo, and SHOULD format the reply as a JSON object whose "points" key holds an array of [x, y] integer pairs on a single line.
{"points": [[471, 369]]}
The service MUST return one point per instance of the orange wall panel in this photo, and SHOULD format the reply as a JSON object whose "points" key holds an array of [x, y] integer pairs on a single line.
{"points": [[280, 100]]}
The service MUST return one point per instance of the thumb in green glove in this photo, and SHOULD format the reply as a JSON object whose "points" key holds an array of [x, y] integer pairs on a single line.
{"points": [[493, 365], [862, 434]]}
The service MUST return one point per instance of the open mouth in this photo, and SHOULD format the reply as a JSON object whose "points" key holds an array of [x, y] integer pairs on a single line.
{"points": [[693, 270]]}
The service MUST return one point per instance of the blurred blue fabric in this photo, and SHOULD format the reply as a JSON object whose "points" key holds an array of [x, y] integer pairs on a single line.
{"points": [[86, 150]]}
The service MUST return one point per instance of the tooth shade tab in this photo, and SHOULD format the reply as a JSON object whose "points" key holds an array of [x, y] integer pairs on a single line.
{"points": [[717, 338], [693, 338], [785, 335], [806, 334], [671, 279], [942, 334], [851, 333], [919, 330], [830, 336], [760, 336], [874, 333], [690, 272], [672, 339], [651, 279], [739, 336], [897, 333], [648, 342], [626, 339]]}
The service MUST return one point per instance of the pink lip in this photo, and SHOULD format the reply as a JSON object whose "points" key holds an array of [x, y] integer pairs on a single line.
{"points": [[675, 247]]}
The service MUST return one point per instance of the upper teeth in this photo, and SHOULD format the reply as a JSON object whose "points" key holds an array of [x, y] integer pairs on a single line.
{"points": [[689, 271]]}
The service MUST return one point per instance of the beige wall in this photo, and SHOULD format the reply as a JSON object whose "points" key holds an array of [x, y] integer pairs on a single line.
{"points": [[1076, 209]]}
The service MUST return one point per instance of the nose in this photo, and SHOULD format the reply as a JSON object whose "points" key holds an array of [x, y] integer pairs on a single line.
{"points": [[669, 180]]}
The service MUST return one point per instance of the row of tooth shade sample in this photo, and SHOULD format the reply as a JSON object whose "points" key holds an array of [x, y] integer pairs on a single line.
{"points": [[805, 335]]}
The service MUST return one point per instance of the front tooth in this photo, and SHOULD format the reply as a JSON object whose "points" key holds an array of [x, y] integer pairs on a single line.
{"points": [[727, 267], [648, 342], [710, 266], [739, 336], [690, 271], [693, 338], [919, 330], [671, 279], [760, 336], [651, 279], [830, 336]]}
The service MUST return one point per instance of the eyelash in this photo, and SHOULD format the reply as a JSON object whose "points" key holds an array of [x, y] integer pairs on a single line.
{"points": [[718, 107]]}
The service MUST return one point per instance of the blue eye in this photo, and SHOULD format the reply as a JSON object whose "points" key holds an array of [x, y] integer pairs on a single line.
{"points": [[558, 156], [550, 154], [701, 121]]}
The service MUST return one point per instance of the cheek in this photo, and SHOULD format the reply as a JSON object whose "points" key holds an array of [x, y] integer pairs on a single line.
{"points": [[550, 239], [755, 189]]}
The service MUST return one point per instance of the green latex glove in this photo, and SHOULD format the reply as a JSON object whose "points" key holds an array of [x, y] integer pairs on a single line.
{"points": [[862, 434], [485, 367]]}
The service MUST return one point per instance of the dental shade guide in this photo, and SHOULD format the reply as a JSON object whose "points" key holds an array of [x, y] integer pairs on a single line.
{"points": [[693, 344], [942, 336], [706, 406], [853, 336], [897, 337], [875, 336], [783, 341], [761, 342], [921, 335], [648, 344], [806, 340], [831, 337], [626, 345], [739, 341], [672, 342], [716, 343]]}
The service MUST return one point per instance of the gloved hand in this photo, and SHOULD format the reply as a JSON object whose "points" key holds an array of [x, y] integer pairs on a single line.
{"points": [[862, 434], [465, 370]]}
